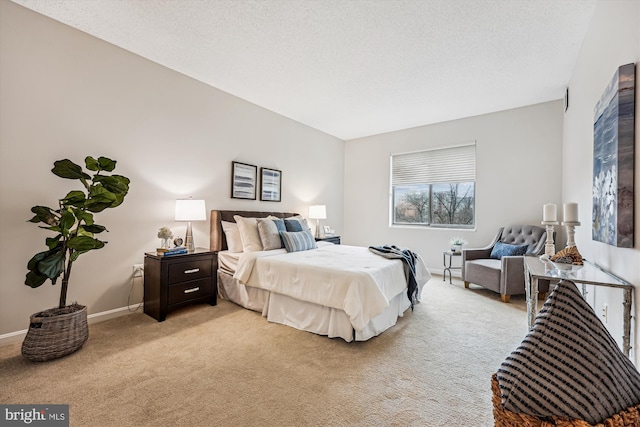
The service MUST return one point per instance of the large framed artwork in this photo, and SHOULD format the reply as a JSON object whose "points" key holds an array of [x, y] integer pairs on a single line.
{"points": [[243, 181], [270, 184], [613, 161]]}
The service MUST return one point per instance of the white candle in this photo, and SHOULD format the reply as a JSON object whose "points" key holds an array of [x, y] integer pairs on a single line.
{"points": [[570, 212], [549, 213]]}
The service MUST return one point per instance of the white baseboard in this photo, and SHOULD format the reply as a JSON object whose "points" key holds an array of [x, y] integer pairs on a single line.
{"points": [[16, 336]]}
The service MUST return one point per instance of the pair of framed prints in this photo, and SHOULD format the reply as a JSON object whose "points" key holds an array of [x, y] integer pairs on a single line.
{"points": [[244, 182]]}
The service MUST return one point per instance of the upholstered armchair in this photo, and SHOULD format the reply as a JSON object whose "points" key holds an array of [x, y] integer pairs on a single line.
{"points": [[500, 265]]}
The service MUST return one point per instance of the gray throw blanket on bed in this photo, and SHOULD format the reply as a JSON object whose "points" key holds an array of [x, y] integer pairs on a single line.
{"points": [[409, 260]]}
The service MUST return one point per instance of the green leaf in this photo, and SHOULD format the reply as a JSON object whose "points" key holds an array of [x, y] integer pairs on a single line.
{"points": [[76, 254], [55, 228], [33, 262], [117, 184], [52, 265], [74, 198], [106, 164], [44, 214], [91, 163], [84, 243], [67, 222], [94, 229], [103, 163], [34, 279], [67, 169], [99, 199], [54, 242], [85, 216]]}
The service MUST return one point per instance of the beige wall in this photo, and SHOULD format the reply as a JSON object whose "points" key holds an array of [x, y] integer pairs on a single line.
{"points": [[518, 156], [613, 39], [65, 94]]}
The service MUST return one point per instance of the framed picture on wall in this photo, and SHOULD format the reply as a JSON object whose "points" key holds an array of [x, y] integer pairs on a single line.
{"points": [[613, 161], [270, 184], [243, 181]]}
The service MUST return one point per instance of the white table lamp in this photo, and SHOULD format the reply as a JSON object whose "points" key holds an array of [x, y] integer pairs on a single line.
{"points": [[190, 210], [318, 212]]}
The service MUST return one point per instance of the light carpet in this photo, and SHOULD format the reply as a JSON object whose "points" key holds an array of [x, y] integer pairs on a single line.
{"points": [[227, 366]]}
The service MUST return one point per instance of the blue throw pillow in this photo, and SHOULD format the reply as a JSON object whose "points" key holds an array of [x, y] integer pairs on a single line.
{"points": [[293, 225], [279, 224], [504, 249], [295, 241]]}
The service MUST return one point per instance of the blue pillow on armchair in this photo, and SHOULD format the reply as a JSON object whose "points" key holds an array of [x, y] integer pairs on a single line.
{"points": [[504, 249]]}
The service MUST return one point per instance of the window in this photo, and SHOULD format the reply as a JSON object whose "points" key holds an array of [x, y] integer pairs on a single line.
{"points": [[434, 187]]}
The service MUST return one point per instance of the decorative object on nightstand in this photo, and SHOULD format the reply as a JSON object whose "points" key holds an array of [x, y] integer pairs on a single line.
{"points": [[549, 220], [164, 234], [318, 212], [172, 282], [176, 250], [570, 220], [332, 239], [190, 210], [456, 244]]}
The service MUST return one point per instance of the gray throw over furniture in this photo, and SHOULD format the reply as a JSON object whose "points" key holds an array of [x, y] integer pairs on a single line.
{"points": [[506, 275]]}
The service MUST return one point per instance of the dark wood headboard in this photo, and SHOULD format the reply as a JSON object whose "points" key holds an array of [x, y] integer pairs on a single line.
{"points": [[217, 239]]}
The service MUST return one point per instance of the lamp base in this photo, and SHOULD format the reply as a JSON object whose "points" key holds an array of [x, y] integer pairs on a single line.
{"points": [[188, 240]]}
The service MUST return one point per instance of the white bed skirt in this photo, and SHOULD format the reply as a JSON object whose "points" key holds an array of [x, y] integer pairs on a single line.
{"points": [[308, 316]]}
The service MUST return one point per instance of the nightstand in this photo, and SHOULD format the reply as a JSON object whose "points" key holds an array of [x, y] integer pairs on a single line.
{"points": [[332, 239], [176, 281]]}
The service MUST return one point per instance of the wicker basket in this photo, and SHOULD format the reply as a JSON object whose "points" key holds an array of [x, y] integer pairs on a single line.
{"points": [[504, 418], [55, 333]]}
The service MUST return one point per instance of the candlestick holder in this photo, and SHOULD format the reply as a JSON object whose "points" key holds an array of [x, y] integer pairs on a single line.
{"points": [[549, 246], [571, 231]]}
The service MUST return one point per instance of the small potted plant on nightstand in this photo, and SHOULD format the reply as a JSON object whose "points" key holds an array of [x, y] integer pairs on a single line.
{"points": [[62, 330], [456, 244]]}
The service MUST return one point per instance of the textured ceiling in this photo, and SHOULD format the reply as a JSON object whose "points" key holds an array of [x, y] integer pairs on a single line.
{"points": [[352, 68]]}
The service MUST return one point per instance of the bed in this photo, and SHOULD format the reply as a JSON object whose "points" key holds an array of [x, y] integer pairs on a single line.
{"points": [[333, 290]]}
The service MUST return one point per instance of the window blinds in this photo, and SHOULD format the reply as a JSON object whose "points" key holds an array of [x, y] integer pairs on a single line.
{"points": [[452, 164]]}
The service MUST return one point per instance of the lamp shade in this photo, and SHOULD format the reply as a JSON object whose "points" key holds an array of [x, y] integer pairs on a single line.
{"points": [[190, 210], [318, 212]]}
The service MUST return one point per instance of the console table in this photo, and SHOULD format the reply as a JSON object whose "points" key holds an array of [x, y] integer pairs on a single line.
{"points": [[589, 274]]}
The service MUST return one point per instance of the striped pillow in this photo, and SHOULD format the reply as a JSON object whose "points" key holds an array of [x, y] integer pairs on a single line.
{"points": [[568, 365], [295, 241]]}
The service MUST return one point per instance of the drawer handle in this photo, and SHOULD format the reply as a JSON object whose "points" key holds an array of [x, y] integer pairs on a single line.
{"points": [[188, 291], [193, 270]]}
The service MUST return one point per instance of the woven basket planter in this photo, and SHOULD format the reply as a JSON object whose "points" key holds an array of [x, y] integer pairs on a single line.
{"points": [[504, 418], [55, 333]]}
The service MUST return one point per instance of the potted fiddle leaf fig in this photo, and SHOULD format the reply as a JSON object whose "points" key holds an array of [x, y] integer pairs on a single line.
{"points": [[62, 330]]}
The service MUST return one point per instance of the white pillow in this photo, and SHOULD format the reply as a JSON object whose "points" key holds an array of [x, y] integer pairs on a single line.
{"points": [[249, 233], [232, 233]]}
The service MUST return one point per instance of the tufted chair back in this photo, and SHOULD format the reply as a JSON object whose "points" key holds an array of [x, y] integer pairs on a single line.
{"points": [[504, 275], [532, 235]]}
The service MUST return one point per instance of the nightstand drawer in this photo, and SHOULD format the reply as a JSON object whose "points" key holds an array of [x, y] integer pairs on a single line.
{"points": [[189, 290], [189, 270]]}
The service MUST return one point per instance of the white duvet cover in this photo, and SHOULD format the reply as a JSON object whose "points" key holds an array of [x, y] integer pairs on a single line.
{"points": [[349, 278]]}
